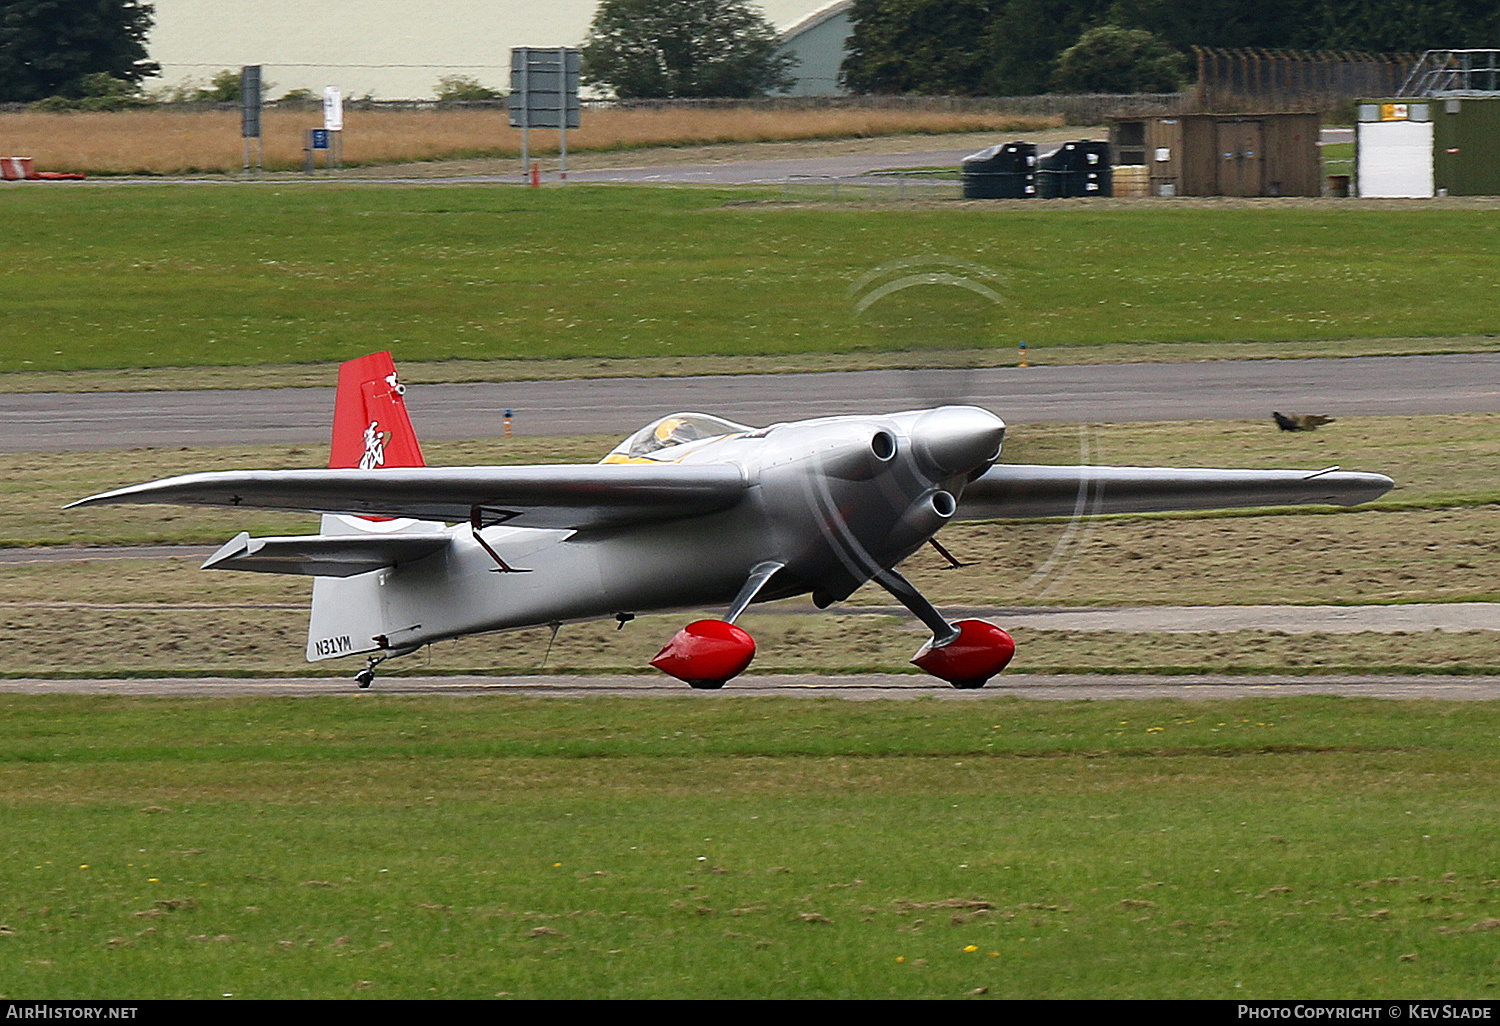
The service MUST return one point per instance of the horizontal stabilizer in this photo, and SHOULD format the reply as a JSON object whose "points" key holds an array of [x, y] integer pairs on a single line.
{"points": [[1007, 490], [576, 497], [324, 555]]}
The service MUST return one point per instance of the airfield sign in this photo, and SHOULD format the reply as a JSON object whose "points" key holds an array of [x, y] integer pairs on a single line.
{"points": [[333, 109], [544, 94], [250, 103], [544, 87]]}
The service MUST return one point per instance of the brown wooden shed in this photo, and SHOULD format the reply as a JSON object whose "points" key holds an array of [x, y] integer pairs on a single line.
{"points": [[1223, 154]]}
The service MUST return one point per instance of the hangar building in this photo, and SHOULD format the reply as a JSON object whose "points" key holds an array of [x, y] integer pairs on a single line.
{"points": [[817, 41]]}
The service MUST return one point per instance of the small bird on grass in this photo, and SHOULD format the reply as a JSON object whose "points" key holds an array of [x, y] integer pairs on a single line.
{"points": [[1301, 421]]}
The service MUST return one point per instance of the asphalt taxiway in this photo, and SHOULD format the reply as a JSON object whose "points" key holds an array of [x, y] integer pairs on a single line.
{"points": [[853, 687], [1132, 392]]}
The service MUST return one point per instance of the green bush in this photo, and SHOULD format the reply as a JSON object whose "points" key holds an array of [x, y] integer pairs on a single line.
{"points": [[459, 88], [99, 91], [1110, 59]]}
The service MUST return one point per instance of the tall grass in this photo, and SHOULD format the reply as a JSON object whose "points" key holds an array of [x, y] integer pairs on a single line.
{"points": [[167, 142]]}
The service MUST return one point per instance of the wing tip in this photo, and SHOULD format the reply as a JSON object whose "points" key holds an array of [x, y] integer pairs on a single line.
{"points": [[236, 546], [92, 500]]}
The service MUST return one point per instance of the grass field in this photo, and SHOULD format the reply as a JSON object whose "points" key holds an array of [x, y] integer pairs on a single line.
{"points": [[717, 846], [251, 275], [733, 848], [174, 142]]}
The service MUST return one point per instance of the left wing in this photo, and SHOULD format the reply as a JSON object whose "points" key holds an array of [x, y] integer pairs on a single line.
{"points": [[1015, 490], [571, 496]]}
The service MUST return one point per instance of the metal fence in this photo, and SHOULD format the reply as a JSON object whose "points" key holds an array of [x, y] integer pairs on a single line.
{"points": [[1271, 80], [1084, 109], [1454, 73]]}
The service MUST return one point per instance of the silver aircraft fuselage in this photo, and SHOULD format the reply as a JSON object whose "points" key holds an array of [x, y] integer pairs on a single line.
{"points": [[833, 500]]}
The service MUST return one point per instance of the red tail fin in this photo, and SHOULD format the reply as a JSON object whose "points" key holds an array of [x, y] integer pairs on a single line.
{"points": [[370, 425]]}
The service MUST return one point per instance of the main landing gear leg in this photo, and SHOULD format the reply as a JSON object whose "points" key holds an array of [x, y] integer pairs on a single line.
{"points": [[706, 654], [966, 654]]}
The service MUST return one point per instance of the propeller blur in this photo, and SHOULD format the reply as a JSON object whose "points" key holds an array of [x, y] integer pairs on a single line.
{"points": [[690, 511]]}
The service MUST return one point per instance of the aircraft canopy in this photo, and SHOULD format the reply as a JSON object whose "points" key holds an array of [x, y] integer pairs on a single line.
{"points": [[674, 430]]}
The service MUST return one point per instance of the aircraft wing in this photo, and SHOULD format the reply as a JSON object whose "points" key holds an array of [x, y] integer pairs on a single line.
{"points": [[571, 496], [1014, 490]]}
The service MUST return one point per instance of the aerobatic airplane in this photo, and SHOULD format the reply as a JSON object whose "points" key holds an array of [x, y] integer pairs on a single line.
{"points": [[690, 511]]}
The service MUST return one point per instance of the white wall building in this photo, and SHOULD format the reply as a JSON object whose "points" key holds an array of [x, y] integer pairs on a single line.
{"points": [[388, 49], [817, 41]]}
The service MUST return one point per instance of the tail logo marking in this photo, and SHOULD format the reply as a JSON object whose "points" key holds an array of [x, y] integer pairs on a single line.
{"points": [[375, 441]]}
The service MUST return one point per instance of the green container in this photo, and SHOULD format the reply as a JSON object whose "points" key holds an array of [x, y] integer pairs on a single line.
{"points": [[1466, 145]]}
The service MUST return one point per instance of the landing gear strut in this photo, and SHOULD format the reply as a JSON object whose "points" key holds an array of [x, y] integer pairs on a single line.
{"points": [[706, 654], [364, 678], [966, 654]]}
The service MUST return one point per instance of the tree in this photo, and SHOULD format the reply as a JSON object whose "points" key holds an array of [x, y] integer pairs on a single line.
{"points": [[1024, 39], [1404, 25], [49, 47], [1223, 23], [1373, 25], [918, 46], [973, 47], [1013, 47], [684, 48], [1110, 59]]}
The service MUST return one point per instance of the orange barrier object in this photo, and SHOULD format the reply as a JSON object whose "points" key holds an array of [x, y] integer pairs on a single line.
{"points": [[15, 169]]}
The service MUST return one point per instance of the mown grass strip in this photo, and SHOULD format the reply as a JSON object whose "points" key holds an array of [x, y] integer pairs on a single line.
{"points": [[752, 848], [440, 273]]}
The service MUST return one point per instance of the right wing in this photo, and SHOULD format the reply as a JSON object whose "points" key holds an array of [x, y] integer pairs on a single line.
{"points": [[572, 496], [1018, 490]]}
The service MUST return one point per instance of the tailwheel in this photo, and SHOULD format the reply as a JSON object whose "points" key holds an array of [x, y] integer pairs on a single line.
{"points": [[706, 654], [969, 660], [364, 678]]}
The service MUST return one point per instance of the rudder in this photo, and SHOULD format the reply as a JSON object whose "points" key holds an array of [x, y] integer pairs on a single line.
{"points": [[371, 428]]}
